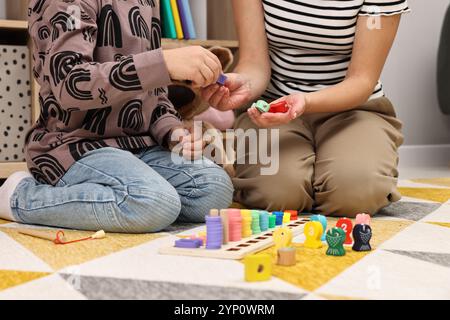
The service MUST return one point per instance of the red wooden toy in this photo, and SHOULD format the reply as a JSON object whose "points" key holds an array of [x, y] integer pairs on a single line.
{"points": [[346, 225], [279, 107]]}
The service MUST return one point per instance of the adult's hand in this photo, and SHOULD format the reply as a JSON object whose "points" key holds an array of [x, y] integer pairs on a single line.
{"points": [[296, 104], [234, 94]]}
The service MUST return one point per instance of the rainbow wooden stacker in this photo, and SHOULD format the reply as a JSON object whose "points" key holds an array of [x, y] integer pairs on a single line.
{"points": [[239, 249]]}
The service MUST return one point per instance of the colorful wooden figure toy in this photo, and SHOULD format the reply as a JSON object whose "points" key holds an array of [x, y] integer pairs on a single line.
{"points": [[258, 267], [279, 107], [313, 232], [363, 218], [222, 79], [282, 237], [346, 225], [262, 106], [323, 220], [293, 213], [362, 234], [335, 239]]}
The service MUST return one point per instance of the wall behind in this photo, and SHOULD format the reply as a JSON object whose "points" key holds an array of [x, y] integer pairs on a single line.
{"points": [[410, 74], [2, 9]]}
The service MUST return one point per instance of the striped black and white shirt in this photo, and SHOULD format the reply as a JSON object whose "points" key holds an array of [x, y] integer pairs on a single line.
{"points": [[311, 41]]}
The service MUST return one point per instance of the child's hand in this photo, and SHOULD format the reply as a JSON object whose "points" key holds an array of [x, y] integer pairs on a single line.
{"points": [[234, 94], [195, 64], [188, 142], [295, 102]]}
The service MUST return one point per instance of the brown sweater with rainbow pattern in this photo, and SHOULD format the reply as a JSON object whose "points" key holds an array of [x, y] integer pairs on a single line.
{"points": [[103, 81]]}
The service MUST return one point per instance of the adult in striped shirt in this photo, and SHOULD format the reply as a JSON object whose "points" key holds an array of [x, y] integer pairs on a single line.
{"points": [[338, 142]]}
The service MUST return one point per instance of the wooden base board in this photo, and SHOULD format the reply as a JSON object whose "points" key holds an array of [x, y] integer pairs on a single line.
{"points": [[237, 250]]}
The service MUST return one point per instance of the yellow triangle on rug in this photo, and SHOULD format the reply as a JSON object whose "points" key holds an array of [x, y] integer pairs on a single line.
{"points": [[12, 278]]}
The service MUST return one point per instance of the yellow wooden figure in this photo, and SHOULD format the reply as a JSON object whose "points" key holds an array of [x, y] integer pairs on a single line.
{"points": [[258, 267], [313, 232], [282, 237]]}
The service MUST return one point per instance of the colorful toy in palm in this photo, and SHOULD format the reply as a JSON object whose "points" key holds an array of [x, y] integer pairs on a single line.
{"points": [[265, 107]]}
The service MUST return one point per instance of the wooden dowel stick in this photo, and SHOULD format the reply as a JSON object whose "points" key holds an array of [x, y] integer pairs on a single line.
{"points": [[45, 235]]}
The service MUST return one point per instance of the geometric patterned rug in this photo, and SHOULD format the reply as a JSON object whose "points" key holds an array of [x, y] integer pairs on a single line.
{"points": [[410, 260]]}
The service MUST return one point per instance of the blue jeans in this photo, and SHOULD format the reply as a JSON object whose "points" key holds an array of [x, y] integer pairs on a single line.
{"points": [[117, 191]]}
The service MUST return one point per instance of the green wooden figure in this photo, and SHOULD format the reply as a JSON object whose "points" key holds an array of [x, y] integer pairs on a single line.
{"points": [[335, 239]]}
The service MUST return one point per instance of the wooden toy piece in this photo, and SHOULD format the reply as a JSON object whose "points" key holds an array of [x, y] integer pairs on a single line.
{"points": [[246, 226], [256, 228], [262, 106], [202, 236], [235, 225], [293, 213], [282, 237], [362, 234], [99, 235], [286, 217], [214, 213], [188, 243], [335, 239], [279, 107], [55, 237], [286, 257], [258, 267], [198, 238], [346, 225], [264, 221], [323, 220], [214, 233], [225, 225], [272, 221], [279, 217], [58, 237], [313, 231], [363, 218], [222, 79], [246, 213]]}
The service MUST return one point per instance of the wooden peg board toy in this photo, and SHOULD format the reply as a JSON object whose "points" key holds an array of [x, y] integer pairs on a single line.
{"points": [[239, 249]]}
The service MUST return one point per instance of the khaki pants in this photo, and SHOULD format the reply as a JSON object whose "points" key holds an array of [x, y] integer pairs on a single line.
{"points": [[337, 164]]}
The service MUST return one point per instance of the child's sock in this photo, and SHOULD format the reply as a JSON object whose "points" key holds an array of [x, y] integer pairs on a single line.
{"points": [[7, 190]]}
